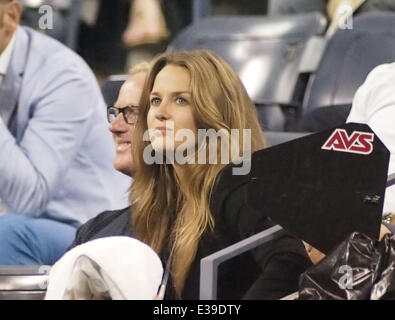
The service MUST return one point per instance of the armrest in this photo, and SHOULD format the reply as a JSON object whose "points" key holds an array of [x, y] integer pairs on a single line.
{"points": [[23, 278], [24, 270], [391, 180], [209, 265]]}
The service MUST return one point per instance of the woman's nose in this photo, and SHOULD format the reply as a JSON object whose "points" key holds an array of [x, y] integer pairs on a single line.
{"points": [[162, 111]]}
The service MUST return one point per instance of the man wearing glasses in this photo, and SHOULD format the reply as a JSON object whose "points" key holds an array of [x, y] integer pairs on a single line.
{"points": [[55, 150], [122, 118]]}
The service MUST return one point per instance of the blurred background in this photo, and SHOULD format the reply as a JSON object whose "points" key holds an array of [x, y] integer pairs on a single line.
{"points": [[301, 61]]}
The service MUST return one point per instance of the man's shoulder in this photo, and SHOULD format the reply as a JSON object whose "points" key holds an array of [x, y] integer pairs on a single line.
{"points": [[386, 69], [49, 67], [46, 51], [41, 42], [383, 74], [376, 93]]}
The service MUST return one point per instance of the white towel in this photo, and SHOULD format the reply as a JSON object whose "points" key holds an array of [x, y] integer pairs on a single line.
{"points": [[118, 268]]}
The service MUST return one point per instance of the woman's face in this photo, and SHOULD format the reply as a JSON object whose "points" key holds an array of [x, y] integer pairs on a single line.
{"points": [[170, 114], [122, 132]]}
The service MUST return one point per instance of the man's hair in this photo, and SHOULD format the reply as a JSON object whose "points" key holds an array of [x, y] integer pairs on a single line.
{"points": [[141, 67]]}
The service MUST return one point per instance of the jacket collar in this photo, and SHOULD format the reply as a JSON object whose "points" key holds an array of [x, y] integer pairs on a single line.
{"points": [[10, 89]]}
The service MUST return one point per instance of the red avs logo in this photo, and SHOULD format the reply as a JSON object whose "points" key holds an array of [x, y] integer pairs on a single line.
{"points": [[359, 142]]}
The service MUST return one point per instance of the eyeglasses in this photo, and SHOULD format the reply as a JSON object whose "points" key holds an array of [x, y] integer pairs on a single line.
{"points": [[130, 113]]}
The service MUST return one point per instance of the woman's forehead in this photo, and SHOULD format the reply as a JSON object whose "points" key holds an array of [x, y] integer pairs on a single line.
{"points": [[172, 78]]}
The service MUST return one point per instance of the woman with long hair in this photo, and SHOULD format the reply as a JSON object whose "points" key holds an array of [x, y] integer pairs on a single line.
{"points": [[187, 203]]}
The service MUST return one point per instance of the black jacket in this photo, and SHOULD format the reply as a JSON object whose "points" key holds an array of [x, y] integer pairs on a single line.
{"points": [[269, 272]]}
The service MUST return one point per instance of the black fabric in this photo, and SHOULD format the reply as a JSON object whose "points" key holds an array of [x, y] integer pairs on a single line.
{"points": [[271, 271], [106, 224], [101, 45], [350, 55]]}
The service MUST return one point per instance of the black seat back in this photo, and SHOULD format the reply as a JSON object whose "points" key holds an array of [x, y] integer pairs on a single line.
{"points": [[110, 88], [349, 57]]}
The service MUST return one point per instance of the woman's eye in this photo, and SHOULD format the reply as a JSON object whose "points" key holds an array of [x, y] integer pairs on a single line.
{"points": [[155, 101], [181, 101]]}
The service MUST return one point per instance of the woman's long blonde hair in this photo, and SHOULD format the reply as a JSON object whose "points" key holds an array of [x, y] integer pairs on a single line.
{"points": [[173, 212]]}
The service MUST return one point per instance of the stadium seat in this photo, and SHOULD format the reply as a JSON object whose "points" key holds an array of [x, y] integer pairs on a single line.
{"points": [[200, 9], [349, 57], [264, 51], [111, 86], [23, 282], [209, 265], [274, 137]]}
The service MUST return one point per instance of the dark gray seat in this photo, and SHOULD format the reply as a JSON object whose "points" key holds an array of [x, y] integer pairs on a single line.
{"points": [[350, 55], [264, 51], [111, 86], [274, 137], [23, 282]]}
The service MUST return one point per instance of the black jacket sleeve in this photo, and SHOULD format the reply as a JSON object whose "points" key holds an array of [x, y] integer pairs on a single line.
{"points": [[281, 261]]}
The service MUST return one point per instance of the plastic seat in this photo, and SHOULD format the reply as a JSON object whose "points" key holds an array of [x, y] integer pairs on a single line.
{"points": [[349, 57], [274, 137], [23, 282], [264, 51], [110, 88]]}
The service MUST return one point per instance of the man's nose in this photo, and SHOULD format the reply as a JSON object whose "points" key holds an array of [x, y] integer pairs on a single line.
{"points": [[118, 124]]}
